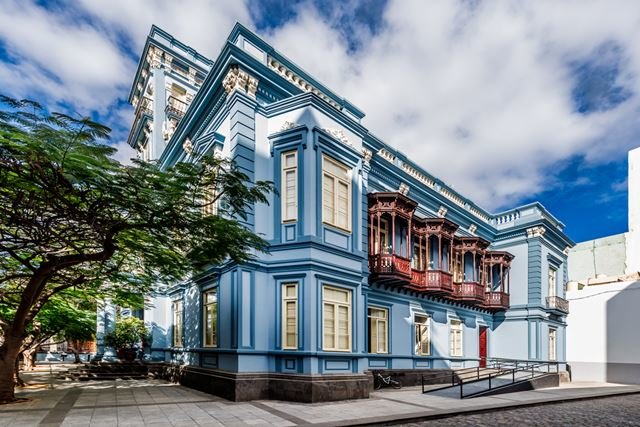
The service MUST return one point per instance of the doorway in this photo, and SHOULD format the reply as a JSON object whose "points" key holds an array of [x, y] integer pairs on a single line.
{"points": [[482, 350]]}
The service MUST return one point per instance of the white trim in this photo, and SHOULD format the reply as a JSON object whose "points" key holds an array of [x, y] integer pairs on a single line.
{"points": [[337, 183], [336, 305], [286, 170], [373, 322], [286, 301], [214, 318]]}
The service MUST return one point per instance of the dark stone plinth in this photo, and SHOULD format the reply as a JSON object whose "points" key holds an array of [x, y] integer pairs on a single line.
{"points": [[292, 387]]}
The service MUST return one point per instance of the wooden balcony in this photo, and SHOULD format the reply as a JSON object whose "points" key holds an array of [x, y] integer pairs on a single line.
{"points": [[558, 304], [469, 292], [496, 301], [387, 268], [439, 282]]}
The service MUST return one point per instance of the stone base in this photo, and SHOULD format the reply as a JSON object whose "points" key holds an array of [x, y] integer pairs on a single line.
{"points": [[413, 377], [292, 387]]}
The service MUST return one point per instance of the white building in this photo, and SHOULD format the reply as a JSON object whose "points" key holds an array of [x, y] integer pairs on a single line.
{"points": [[603, 342]]}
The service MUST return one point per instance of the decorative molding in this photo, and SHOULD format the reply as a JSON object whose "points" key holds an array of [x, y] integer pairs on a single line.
{"points": [[367, 155], [237, 79], [473, 228], [566, 250], [403, 189], [288, 125], [187, 145], [339, 135], [298, 81], [535, 231], [388, 156], [168, 128], [442, 212]]}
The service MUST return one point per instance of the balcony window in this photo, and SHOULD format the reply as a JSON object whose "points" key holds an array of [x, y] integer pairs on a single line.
{"points": [[553, 273], [382, 247]]}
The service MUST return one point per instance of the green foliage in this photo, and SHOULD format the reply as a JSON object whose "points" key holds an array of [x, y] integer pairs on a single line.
{"points": [[74, 219], [128, 333]]}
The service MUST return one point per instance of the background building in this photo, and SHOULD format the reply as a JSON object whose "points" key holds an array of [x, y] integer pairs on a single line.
{"points": [[602, 339], [373, 264]]}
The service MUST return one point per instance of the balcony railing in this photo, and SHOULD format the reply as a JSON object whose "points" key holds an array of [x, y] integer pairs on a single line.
{"points": [[176, 107], [496, 300], [439, 281], [387, 264], [472, 292], [559, 304]]}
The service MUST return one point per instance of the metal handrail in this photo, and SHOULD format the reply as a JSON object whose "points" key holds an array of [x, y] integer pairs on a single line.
{"points": [[529, 367]]}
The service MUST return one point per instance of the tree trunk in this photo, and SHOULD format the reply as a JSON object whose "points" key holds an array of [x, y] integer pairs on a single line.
{"points": [[16, 374], [9, 351], [76, 354], [30, 358]]}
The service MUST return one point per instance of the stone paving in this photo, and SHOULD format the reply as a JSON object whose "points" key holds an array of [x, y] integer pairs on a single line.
{"points": [[159, 403]]}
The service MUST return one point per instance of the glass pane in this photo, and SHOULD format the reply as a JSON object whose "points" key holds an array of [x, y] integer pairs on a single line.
{"points": [[382, 337], [290, 160], [328, 199], [329, 326], [291, 291], [373, 336], [343, 205], [343, 327]]}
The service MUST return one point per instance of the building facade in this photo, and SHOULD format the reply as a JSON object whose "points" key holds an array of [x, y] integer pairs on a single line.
{"points": [[374, 264]]}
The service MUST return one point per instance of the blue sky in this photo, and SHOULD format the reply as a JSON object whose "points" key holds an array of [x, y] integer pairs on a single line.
{"points": [[508, 102]]}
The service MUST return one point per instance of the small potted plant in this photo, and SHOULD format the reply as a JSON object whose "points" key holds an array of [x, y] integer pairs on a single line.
{"points": [[127, 337]]}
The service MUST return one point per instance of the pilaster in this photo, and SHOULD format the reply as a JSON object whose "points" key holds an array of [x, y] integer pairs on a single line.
{"points": [[534, 258]]}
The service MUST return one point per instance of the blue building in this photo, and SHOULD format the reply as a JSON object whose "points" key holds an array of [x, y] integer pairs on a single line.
{"points": [[374, 263]]}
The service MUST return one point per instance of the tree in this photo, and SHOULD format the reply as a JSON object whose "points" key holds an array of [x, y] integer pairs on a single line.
{"points": [[73, 218]]}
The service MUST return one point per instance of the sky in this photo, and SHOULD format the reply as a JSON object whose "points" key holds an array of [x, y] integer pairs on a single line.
{"points": [[506, 101]]}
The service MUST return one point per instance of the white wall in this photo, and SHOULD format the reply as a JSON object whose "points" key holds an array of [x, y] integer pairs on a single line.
{"points": [[603, 342], [633, 237]]}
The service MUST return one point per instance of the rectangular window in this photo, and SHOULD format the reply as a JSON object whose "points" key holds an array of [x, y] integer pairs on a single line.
{"points": [[210, 318], [423, 339], [289, 190], [553, 273], [177, 323], [455, 338], [336, 321], [290, 316], [378, 330], [552, 344], [336, 194]]}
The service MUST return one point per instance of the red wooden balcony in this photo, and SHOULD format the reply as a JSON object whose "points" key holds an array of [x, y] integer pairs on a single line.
{"points": [[439, 282], [390, 268], [469, 292], [496, 301]]}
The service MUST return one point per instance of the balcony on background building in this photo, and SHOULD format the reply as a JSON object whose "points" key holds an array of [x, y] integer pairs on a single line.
{"points": [[176, 107], [497, 267], [145, 106], [558, 304]]}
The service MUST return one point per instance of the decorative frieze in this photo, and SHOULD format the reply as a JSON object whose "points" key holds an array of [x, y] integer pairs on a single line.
{"points": [[418, 175], [299, 81], [535, 231], [339, 135], [288, 125], [388, 156], [237, 79], [452, 196], [187, 146], [367, 155], [403, 189]]}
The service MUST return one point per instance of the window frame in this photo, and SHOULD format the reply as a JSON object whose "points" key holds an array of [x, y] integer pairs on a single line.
{"points": [[553, 349], [205, 306], [456, 330], [370, 324], [417, 329], [285, 301], [283, 185], [334, 222], [336, 324], [552, 278], [177, 308]]}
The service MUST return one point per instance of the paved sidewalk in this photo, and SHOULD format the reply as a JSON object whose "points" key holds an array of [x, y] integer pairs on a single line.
{"points": [[159, 403]]}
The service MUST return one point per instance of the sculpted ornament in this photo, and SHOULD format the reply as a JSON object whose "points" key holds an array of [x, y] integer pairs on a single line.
{"points": [[339, 135], [403, 189], [288, 125], [237, 79], [472, 229], [535, 231], [442, 212], [187, 145], [367, 155]]}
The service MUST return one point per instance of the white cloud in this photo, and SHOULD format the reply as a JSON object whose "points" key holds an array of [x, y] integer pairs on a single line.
{"points": [[479, 93]]}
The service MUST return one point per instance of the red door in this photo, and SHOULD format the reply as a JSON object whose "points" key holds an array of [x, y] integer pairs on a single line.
{"points": [[482, 352]]}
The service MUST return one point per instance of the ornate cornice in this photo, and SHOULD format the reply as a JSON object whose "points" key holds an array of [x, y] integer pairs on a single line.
{"points": [[237, 79], [536, 231]]}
